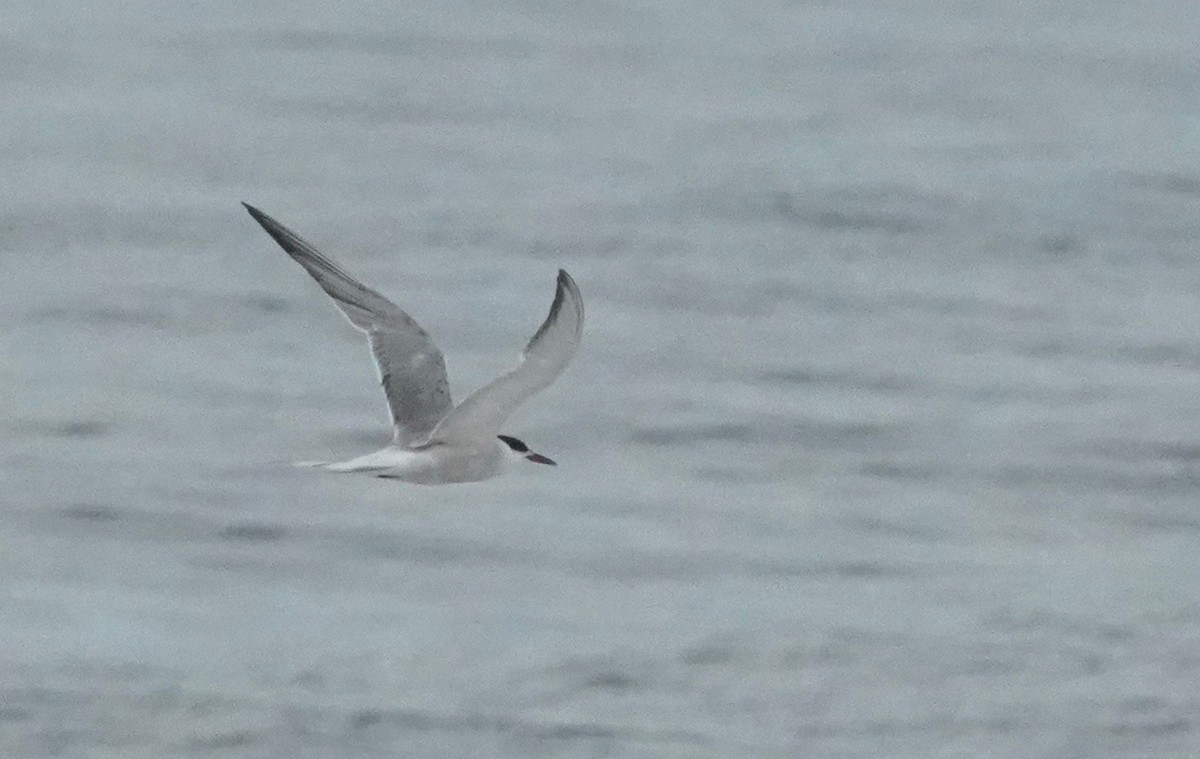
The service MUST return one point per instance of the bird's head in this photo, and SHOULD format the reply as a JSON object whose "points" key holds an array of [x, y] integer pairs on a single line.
{"points": [[518, 449]]}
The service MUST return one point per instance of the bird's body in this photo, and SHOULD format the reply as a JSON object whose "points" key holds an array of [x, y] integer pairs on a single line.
{"points": [[433, 464], [435, 442]]}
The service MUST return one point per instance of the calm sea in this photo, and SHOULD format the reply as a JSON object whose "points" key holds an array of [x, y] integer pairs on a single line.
{"points": [[884, 439]]}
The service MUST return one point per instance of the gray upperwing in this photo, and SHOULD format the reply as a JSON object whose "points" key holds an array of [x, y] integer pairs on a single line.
{"points": [[411, 368], [544, 358], [414, 380]]}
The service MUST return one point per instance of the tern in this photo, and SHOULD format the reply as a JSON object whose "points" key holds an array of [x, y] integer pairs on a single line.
{"points": [[435, 442]]}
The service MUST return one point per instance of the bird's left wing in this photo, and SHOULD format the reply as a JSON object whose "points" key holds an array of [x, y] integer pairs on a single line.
{"points": [[411, 368]]}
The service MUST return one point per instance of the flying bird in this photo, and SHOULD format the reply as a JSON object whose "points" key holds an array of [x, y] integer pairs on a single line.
{"points": [[435, 442]]}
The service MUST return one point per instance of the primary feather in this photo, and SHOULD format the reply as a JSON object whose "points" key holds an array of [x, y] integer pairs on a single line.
{"points": [[411, 368], [544, 358]]}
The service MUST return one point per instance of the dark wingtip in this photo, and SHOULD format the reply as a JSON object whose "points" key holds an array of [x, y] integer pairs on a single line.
{"points": [[286, 238], [258, 215], [565, 283]]}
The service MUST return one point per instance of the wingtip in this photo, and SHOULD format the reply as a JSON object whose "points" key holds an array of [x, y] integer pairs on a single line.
{"points": [[287, 239], [276, 230], [566, 284]]}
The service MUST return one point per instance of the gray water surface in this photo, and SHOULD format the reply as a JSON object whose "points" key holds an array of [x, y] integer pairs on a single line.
{"points": [[884, 439]]}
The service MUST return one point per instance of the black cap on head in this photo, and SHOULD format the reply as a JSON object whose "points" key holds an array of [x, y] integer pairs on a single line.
{"points": [[515, 444]]}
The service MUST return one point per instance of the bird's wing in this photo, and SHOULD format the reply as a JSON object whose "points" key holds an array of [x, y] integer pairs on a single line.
{"points": [[411, 367], [547, 354]]}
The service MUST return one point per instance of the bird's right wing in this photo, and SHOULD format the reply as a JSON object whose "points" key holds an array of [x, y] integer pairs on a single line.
{"points": [[411, 367], [545, 357]]}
